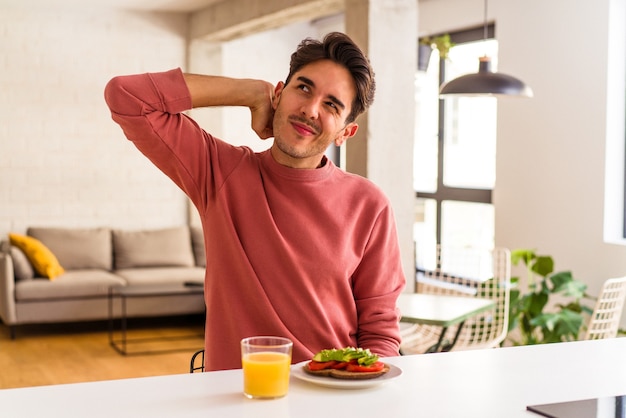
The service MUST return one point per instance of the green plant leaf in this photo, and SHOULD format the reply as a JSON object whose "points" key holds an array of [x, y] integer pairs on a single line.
{"points": [[524, 255], [543, 265], [559, 326], [573, 306], [532, 304], [443, 44], [514, 296], [546, 320], [426, 40], [569, 325], [564, 283], [561, 278]]}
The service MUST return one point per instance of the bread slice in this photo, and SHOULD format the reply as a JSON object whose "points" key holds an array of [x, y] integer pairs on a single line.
{"points": [[344, 374]]}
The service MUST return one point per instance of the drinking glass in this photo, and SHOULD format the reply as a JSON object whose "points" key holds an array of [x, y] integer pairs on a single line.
{"points": [[265, 361]]}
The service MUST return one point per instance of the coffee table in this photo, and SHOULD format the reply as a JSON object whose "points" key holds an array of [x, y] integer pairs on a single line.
{"points": [[125, 294]]}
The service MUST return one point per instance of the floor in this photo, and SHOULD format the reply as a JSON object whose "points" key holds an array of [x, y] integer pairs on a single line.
{"points": [[80, 352]]}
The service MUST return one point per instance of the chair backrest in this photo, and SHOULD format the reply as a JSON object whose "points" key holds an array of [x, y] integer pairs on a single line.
{"points": [[197, 362], [473, 272], [606, 316]]}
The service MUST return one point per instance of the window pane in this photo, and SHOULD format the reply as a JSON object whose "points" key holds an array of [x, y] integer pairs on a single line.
{"points": [[467, 224], [470, 125], [426, 126], [463, 58]]}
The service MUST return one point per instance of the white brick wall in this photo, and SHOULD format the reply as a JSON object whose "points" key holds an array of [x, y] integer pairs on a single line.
{"points": [[63, 161]]}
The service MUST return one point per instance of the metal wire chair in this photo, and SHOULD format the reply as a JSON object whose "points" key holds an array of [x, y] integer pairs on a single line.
{"points": [[466, 272], [606, 316], [197, 362]]}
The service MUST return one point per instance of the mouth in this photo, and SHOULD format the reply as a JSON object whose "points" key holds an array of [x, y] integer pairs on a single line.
{"points": [[303, 128]]}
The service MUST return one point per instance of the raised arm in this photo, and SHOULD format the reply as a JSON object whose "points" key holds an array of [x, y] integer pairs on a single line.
{"points": [[150, 108], [257, 95]]}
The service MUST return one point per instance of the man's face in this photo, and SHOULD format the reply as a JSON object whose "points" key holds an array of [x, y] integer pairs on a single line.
{"points": [[311, 112]]}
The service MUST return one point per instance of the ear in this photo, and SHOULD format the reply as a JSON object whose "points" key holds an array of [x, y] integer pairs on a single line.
{"points": [[347, 132], [277, 92]]}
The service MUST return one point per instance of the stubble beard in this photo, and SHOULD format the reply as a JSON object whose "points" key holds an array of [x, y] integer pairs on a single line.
{"points": [[297, 152]]}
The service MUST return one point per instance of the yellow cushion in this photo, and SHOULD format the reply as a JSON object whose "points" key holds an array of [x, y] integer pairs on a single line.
{"points": [[42, 259]]}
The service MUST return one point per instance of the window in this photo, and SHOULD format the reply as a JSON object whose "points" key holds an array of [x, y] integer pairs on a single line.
{"points": [[455, 151]]}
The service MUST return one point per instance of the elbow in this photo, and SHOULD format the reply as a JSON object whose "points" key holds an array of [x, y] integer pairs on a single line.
{"points": [[112, 93]]}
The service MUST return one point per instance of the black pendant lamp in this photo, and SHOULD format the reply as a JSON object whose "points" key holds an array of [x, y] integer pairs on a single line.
{"points": [[485, 82]]}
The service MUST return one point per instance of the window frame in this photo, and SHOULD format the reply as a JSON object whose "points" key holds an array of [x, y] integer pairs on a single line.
{"points": [[443, 192]]}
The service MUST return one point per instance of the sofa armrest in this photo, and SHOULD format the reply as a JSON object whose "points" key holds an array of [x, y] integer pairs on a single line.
{"points": [[7, 290]]}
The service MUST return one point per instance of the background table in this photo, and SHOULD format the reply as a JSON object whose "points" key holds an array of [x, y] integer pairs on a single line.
{"points": [[490, 383], [441, 310]]}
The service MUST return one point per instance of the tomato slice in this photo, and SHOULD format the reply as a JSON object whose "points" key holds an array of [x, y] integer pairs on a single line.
{"points": [[376, 367], [321, 365], [339, 365]]}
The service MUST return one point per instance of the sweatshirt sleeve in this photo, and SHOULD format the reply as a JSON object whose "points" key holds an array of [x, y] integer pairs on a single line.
{"points": [[148, 107], [378, 282]]}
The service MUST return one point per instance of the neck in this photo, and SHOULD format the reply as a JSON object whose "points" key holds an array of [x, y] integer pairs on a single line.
{"points": [[309, 163]]}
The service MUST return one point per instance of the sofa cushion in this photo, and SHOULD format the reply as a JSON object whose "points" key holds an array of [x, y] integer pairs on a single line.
{"points": [[40, 256], [72, 284], [153, 248], [162, 275], [22, 269], [5, 246], [197, 240], [76, 248]]}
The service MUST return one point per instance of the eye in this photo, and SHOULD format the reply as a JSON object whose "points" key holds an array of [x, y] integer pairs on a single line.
{"points": [[304, 88]]}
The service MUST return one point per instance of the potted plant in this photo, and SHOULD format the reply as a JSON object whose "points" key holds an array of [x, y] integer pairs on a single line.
{"points": [[563, 321], [425, 47], [424, 50]]}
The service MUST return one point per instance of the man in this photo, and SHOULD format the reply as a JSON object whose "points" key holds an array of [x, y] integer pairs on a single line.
{"points": [[295, 246]]}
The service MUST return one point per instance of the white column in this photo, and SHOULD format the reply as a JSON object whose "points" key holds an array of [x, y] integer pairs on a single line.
{"points": [[383, 147]]}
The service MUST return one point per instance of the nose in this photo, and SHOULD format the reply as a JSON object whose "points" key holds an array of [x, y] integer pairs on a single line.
{"points": [[310, 108]]}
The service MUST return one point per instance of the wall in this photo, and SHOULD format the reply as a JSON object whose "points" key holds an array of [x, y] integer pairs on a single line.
{"points": [[550, 191], [63, 161]]}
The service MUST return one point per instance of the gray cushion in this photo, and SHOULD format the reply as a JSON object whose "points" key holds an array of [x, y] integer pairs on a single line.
{"points": [[162, 275], [78, 249], [22, 269], [72, 284], [197, 240], [153, 248]]}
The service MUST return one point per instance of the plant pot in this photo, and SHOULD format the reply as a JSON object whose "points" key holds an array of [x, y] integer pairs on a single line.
{"points": [[423, 56]]}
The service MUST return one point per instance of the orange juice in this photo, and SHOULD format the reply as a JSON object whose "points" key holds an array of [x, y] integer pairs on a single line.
{"points": [[265, 374]]}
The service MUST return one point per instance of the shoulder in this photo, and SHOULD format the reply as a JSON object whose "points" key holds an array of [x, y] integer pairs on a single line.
{"points": [[362, 186], [363, 197]]}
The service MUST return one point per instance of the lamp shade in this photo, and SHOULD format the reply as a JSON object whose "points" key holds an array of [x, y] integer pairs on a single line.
{"points": [[485, 83]]}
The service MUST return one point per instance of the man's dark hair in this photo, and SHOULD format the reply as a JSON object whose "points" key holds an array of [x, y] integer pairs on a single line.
{"points": [[339, 48]]}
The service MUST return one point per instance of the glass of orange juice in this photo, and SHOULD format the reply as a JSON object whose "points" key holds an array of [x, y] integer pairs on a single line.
{"points": [[266, 362]]}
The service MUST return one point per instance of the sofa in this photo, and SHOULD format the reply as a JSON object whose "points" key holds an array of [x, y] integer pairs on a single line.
{"points": [[89, 262]]}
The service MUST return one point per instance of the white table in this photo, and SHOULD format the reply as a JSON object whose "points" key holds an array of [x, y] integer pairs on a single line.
{"points": [[441, 310], [477, 383]]}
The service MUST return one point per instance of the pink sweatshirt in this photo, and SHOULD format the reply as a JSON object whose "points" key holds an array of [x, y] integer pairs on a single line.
{"points": [[311, 255]]}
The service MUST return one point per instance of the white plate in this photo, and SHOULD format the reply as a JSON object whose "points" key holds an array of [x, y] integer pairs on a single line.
{"points": [[298, 372]]}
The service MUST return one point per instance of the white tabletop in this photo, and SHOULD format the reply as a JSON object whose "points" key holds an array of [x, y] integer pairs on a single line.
{"points": [[482, 383], [442, 310]]}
